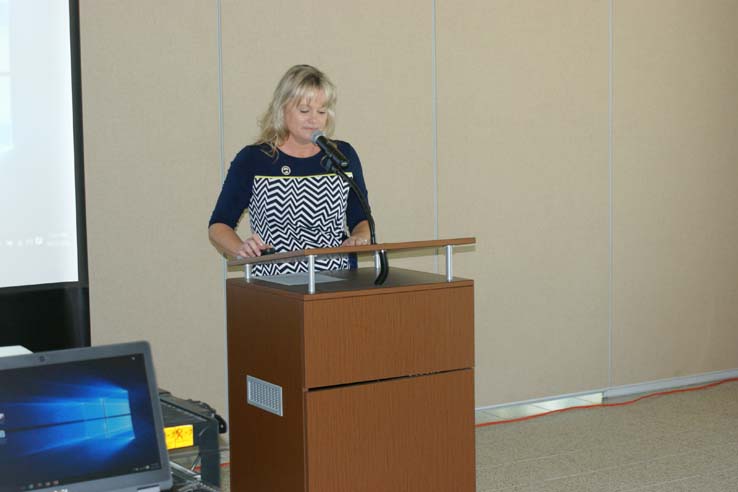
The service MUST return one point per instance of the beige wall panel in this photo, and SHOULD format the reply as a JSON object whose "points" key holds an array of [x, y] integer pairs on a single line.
{"points": [[675, 180], [382, 65], [523, 166], [150, 82]]}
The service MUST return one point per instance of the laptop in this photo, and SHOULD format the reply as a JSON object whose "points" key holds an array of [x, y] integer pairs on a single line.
{"points": [[82, 420]]}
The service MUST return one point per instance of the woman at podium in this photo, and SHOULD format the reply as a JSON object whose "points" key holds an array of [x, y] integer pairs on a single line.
{"points": [[293, 202]]}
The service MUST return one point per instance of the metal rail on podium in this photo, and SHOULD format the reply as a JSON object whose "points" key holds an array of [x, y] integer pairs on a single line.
{"points": [[336, 383]]}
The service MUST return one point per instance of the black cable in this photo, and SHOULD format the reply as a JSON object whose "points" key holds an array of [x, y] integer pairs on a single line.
{"points": [[332, 166]]}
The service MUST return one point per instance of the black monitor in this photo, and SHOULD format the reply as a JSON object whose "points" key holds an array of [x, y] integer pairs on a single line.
{"points": [[82, 420]]}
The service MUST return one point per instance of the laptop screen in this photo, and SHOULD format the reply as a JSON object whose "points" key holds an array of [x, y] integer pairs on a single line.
{"points": [[81, 419]]}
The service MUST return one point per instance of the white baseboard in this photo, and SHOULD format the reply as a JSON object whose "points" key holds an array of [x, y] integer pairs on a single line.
{"points": [[539, 400], [667, 384], [631, 389]]}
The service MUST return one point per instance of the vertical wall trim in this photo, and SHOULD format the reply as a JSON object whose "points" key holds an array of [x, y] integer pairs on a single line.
{"points": [[434, 83], [221, 132], [221, 136], [610, 195]]}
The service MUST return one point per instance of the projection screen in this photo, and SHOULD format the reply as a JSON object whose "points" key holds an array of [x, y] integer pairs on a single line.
{"points": [[38, 229]]}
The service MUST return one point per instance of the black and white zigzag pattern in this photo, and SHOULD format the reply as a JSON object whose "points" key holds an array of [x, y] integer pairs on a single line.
{"points": [[299, 212]]}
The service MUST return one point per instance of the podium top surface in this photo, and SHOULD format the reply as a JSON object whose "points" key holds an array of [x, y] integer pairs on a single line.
{"points": [[303, 253], [348, 283]]}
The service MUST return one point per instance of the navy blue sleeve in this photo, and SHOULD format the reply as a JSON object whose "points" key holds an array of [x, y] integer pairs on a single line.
{"points": [[354, 212], [236, 192]]}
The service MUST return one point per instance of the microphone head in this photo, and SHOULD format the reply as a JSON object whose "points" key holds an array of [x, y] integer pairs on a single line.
{"points": [[316, 135]]}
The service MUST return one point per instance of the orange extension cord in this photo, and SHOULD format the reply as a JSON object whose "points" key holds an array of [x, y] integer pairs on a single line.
{"points": [[606, 405]]}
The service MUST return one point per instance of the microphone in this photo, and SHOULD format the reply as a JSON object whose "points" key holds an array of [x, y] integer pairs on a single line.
{"points": [[336, 163], [330, 148]]}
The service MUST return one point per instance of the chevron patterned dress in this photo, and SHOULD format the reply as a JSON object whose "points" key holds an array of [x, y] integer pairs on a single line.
{"points": [[299, 212], [292, 202]]}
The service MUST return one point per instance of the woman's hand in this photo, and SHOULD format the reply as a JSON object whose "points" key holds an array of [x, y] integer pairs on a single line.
{"points": [[227, 241], [359, 235], [355, 241], [252, 246]]}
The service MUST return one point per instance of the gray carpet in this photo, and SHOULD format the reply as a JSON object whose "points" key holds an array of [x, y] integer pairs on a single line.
{"points": [[683, 442], [677, 443]]}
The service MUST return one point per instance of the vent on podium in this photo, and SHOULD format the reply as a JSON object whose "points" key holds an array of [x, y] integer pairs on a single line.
{"points": [[264, 395]]}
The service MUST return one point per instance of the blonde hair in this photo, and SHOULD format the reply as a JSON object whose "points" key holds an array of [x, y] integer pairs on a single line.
{"points": [[300, 83]]}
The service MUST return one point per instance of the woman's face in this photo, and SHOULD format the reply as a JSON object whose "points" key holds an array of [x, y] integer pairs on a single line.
{"points": [[303, 118]]}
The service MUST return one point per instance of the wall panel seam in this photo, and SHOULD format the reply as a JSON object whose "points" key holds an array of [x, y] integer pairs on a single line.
{"points": [[221, 137], [434, 103], [611, 272]]}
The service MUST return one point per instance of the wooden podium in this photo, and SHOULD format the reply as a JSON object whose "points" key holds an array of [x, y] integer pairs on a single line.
{"points": [[374, 384]]}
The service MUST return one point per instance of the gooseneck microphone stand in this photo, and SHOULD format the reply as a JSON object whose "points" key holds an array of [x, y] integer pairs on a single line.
{"points": [[332, 165]]}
